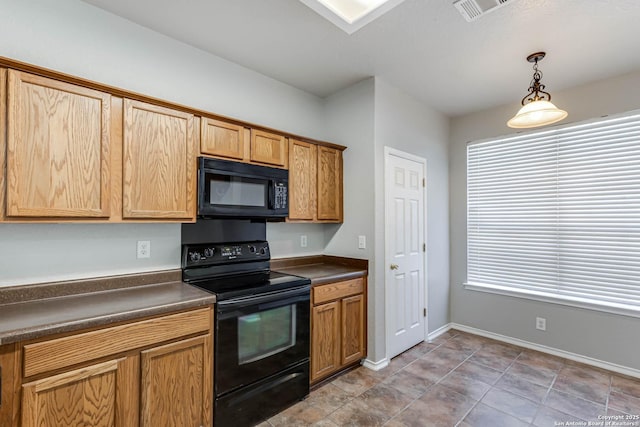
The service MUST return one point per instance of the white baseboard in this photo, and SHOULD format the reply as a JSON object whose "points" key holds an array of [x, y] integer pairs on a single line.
{"points": [[542, 348], [376, 366], [441, 330]]}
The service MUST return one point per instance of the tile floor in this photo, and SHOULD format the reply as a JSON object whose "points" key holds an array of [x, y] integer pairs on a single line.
{"points": [[465, 380]]}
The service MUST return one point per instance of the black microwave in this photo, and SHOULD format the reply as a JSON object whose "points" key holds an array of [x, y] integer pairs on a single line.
{"points": [[229, 189]]}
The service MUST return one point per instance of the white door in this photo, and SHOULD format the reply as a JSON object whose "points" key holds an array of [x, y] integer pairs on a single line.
{"points": [[405, 282]]}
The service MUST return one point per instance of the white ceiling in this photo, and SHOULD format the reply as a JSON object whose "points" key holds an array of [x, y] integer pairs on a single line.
{"points": [[424, 47]]}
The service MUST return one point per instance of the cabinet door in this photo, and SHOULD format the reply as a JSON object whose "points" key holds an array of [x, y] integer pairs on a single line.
{"points": [[269, 148], [159, 165], [177, 384], [3, 141], [222, 139], [353, 329], [329, 184], [302, 180], [9, 385], [325, 339], [58, 138], [101, 395]]}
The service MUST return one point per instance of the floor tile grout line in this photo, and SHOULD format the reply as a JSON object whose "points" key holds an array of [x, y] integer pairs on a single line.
{"points": [[383, 380], [435, 383], [494, 385], [544, 398], [477, 401], [428, 388], [606, 404]]}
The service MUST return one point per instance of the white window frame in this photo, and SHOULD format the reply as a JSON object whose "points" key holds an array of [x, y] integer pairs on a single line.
{"points": [[533, 294]]}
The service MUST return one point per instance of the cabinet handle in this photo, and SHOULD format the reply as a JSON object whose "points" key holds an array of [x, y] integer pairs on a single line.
{"points": [[394, 266]]}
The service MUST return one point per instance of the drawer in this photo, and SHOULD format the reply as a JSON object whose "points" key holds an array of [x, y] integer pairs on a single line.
{"points": [[58, 353], [333, 291]]}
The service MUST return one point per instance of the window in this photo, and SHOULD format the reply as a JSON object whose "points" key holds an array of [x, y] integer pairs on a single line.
{"points": [[555, 215]]}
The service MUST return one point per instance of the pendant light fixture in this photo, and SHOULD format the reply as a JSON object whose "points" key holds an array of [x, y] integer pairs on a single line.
{"points": [[537, 109]]}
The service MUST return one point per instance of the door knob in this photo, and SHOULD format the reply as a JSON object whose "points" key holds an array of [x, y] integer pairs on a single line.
{"points": [[394, 266]]}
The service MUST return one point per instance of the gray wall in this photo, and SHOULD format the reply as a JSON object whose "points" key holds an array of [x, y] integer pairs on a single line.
{"points": [[367, 117], [608, 337], [78, 39], [350, 121], [407, 125]]}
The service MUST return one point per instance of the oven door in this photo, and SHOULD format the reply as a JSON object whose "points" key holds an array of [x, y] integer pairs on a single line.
{"points": [[260, 335]]}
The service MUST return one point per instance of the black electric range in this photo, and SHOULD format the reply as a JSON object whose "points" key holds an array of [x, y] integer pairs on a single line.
{"points": [[261, 342]]}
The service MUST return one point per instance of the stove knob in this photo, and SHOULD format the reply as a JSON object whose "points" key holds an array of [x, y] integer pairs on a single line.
{"points": [[194, 256], [263, 251], [209, 252], [252, 249]]}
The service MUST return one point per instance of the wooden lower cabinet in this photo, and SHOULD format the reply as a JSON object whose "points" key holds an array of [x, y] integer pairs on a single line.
{"points": [[177, 375], [154, 372], [9, 385], [338, 327], [97, 395], [325, 357], [352, 338]]}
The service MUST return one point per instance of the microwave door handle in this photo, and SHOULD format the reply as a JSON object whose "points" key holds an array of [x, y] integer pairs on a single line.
{"points": [[272, 195]]}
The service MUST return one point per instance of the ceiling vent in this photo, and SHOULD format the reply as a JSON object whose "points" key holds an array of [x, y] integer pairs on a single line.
{"points": [[474, 9]]}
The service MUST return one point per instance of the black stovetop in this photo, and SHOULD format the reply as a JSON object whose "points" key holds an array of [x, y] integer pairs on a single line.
{"points": [[246, 284], [234, 269]]}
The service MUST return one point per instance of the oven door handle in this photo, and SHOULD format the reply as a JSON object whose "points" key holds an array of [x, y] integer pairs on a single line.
{"points": [[232, 307]]}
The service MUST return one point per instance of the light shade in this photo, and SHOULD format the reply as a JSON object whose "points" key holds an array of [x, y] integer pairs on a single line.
{"points": [[536, 113]]}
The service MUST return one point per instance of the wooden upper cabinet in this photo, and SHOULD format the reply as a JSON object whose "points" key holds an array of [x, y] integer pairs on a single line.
{"points": [[303, 180], [176, 384], [58, 149], [329, 184], [159, 165], [269, 148], [315, 182], [3, 144], [223, 139]]}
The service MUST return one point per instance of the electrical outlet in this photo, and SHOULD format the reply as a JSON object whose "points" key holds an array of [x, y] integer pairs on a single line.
{"points": [[541, 323], [303, 241], [362, 242], [144, 249]]}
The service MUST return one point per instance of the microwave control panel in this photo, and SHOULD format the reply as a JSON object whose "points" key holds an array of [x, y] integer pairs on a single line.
{"points": [[280, 196]]}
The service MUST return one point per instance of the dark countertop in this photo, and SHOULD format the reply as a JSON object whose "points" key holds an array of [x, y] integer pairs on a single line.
{"points": [[24, 315], [322, 269]]}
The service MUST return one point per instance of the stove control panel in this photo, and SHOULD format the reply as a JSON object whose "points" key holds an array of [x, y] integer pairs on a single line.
{"points": [[224, 253]]}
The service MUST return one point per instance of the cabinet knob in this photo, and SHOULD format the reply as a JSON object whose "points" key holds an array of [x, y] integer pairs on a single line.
{"points": [[394, 266]]}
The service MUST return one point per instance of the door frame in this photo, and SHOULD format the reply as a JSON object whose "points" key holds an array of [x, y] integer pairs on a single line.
{"points": [[388, 152]]}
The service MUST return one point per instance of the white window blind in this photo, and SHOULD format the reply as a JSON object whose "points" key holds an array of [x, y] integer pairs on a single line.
{"points": [[555, 215]]}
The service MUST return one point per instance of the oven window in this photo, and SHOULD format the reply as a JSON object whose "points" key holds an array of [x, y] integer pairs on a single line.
{"points": [[266, 333], [237, 191]]}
